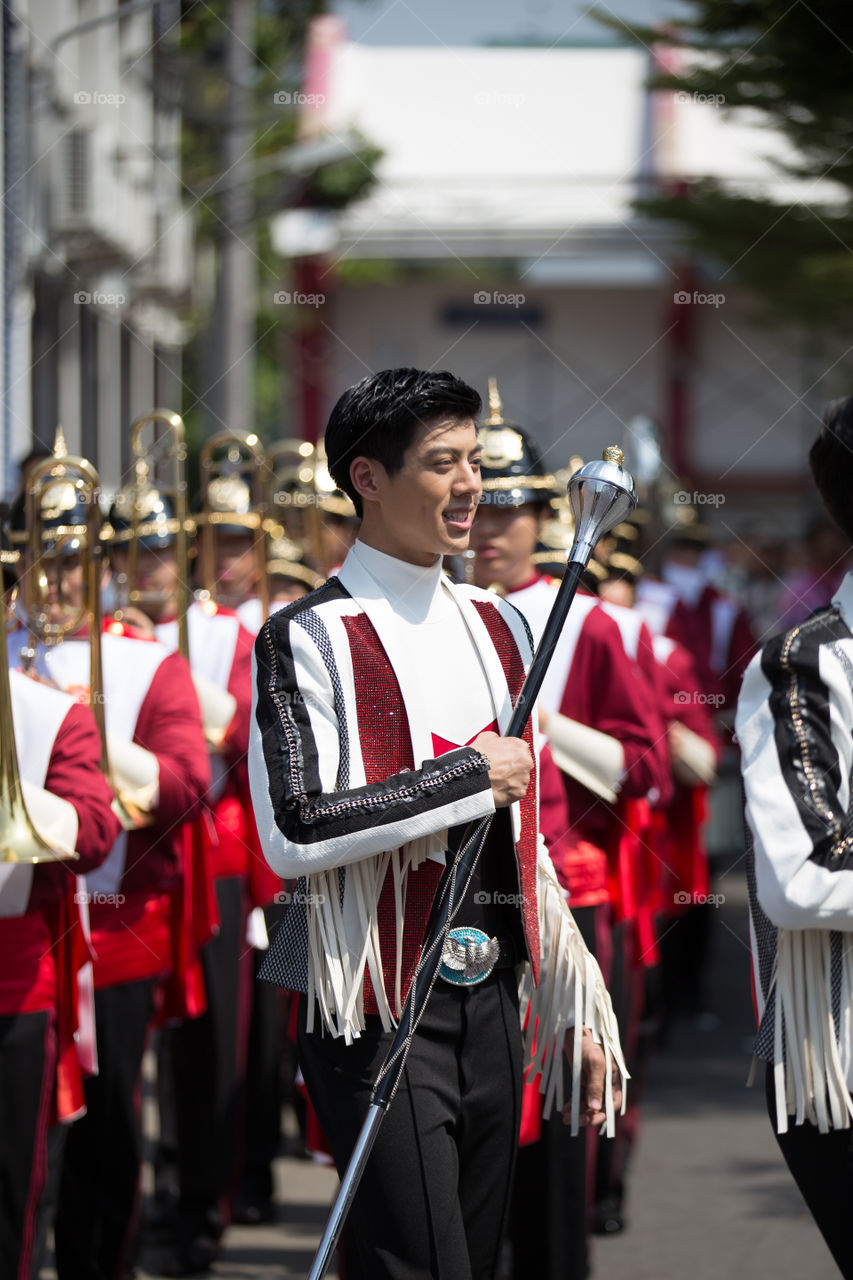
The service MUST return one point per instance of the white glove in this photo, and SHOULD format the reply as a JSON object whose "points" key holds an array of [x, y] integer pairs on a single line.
{"points": [[136, 772], [594, 759], [217, 708]]}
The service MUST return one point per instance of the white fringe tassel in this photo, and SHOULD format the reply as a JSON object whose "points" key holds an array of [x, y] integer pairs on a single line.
{"points": [[808, 1073], [571, 992], [337, 963]]}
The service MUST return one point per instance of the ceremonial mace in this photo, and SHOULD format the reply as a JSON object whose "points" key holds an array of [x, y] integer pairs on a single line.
{"points": [[601, 495]]}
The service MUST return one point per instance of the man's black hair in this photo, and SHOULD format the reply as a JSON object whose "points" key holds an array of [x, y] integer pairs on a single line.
{"points": [[380, 417], [831, 461]]}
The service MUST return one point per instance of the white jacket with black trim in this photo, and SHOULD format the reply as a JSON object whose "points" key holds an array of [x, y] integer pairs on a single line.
{"points": [[794, 725], [320, 818]]}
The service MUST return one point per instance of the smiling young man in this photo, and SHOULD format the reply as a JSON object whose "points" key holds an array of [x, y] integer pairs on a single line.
{"points": [[379, 701]]}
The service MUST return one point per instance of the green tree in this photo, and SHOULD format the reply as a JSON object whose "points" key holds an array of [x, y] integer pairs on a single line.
{"points": [[792, 63]]}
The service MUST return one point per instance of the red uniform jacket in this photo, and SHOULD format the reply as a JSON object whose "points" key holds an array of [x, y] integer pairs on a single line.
{"points": [[43, 949]]}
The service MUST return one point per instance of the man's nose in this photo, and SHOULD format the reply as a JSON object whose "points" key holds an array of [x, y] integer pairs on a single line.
{"points": [[468, 479]]}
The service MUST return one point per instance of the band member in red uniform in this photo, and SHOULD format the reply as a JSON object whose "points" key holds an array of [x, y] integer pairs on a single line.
{"points": [[205, 1055], [42, 948], [288, 579], [711, 626], [606, 734], [377, 700], [155, 737], [695, 749]]}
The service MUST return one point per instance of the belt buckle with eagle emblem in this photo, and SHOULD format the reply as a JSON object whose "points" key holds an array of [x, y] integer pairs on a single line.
{"points": [[468, 957]]}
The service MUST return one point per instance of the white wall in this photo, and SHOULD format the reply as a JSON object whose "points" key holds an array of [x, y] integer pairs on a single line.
{"points": [[597, 358]]}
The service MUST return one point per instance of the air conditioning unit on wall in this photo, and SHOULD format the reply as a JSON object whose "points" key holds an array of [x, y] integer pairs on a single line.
{"points": [[97, 215]]}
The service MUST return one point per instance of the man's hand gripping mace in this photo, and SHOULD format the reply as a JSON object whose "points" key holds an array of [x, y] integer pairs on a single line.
{"points": [[601, 495]]}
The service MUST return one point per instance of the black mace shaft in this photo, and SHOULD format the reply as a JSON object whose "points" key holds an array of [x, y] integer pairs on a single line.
{"points": [[608, 499]]}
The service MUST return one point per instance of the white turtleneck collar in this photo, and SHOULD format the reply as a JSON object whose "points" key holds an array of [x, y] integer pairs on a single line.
{"points": [[421, 625], [410, 589]]}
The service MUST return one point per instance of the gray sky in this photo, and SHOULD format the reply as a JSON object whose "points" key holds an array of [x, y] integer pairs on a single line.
{"points": [[473, 22]]}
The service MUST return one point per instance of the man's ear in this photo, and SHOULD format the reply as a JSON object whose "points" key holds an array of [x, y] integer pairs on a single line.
{"points": [[366, 475]]}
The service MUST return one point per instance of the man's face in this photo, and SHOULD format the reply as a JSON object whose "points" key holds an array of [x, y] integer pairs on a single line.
{"points": [[503, 540], [157, 579], [236, 571], [617, 591], [427, 509]]}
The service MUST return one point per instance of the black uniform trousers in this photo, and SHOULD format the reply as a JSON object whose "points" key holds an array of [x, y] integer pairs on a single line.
{"points": [[264, 1091], [548, 1224], [822, 1167], [99, 1185], [208, 1061], [27, 1064], [435, 1193]]}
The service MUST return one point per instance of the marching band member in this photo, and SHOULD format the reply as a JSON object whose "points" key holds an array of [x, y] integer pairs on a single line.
{"points": [[377, 698], [672, 908], [154, 732], [695, 750], [42, 947], [288, 579], [606, 734], [206, 1054], [710, 625], [795, 728]]}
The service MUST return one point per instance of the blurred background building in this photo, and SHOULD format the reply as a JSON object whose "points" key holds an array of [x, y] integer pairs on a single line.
{"points": [[97, 236], [452, 186]]}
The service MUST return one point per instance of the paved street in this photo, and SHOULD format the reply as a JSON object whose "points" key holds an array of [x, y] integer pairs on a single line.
{"points": [[709, 1197]]}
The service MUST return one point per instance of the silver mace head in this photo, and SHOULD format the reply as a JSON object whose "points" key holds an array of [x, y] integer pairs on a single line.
{"points": [[601, 495]]}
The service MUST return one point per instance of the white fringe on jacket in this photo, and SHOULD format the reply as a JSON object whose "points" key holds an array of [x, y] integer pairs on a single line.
{"points": [[570, 993], [344, 944], [809, 1075], [343, 939]]}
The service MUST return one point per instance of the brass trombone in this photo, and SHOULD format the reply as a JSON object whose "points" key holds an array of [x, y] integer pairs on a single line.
{"points": [[294, 527], [20, 841], [145, 508], [63, 484], [234, 492], [303, 489]]}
